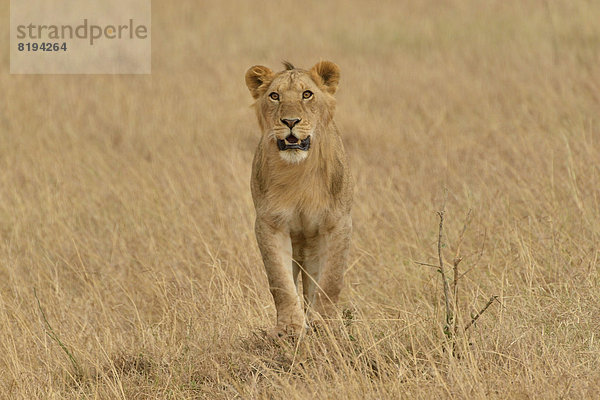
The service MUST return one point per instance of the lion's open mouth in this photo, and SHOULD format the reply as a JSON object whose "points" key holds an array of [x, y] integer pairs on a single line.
{"points": [[292, 142]]}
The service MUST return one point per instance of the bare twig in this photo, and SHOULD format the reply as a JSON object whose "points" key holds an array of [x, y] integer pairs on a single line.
{"points": [[451, 326], [462, 233], [426, 264], [52, 334], [478, 257], [476, 317], [457, 259], [443, 273], [482, 246]]}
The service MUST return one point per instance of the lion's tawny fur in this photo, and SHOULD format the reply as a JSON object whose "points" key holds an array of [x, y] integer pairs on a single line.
{"points": [[302, 198]]}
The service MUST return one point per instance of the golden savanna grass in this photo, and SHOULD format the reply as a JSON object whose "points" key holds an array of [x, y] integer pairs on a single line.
{"points": [[125, 207]]}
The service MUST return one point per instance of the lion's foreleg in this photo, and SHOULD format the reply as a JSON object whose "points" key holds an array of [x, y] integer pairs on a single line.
{"points": [[331, 276], [276, 249], [314, 256]]}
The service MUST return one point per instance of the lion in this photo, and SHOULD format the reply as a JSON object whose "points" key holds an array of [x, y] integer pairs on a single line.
{"points": [[302, 191]]}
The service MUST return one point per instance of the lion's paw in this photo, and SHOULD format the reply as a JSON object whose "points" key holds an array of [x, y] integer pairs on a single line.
{"points": [[287, 331]]}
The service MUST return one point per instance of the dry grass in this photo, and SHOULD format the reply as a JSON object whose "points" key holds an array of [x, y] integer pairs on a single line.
{"points": [[125, 203]]}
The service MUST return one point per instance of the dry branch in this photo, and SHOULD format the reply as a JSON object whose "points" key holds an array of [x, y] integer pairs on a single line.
{"points": [[457, 259], [443, 273], [476, 317], [427, 264], [451, 300]]}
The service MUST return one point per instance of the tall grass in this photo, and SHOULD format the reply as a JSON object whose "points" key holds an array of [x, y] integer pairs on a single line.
{"points": [[125, 206]]}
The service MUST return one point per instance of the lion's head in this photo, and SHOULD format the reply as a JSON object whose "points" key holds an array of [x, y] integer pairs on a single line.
{"points": [[293, 106]]}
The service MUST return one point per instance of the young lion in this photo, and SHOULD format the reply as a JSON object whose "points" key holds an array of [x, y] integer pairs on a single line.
{"points": [[302, 190]]}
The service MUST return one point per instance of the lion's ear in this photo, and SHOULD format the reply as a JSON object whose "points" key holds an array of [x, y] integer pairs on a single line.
{"points": [[327, 74], [256, 77]]}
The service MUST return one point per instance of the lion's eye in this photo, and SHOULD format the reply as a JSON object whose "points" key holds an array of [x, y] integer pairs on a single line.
{"points": [[274, 96], [307, 94]]}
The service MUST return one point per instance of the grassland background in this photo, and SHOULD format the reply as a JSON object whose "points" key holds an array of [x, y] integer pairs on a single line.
{"points": [[125, 204]]}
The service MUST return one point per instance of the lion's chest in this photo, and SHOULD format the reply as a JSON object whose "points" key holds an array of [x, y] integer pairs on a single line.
{"points": [[298, 194], [300, 213], [304, 224]]}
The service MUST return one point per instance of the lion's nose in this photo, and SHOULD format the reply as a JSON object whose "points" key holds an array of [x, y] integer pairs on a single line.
{"points": [[290, 122]]}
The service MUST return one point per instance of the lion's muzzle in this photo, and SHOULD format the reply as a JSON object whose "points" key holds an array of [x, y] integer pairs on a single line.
{"points": [[292, 142]]}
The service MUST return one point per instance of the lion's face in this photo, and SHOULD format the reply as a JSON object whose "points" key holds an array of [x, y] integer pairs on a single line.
{"points": [[291, 105]]}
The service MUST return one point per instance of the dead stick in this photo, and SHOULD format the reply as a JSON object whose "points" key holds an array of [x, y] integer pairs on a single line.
{"points": [[457, 257], [441, 260], [490, 301], [426, 264], [456, 261]]}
